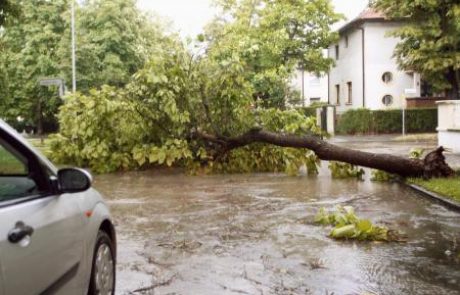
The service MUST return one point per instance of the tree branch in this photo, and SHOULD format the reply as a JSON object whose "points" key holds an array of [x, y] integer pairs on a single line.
{"points": [[432, 166]]}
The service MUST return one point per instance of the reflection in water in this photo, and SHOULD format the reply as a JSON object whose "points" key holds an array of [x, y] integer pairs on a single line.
{"points": [[253, 234]]}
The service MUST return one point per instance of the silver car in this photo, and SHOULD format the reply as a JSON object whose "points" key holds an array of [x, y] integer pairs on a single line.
{"points": [[56, 233]]}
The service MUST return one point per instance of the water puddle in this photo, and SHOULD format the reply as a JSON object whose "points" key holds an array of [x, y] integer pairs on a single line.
{"points": [[253, 234]]}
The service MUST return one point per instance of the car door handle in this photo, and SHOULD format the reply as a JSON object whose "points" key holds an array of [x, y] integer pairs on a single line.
{"points": [[19, 232]]}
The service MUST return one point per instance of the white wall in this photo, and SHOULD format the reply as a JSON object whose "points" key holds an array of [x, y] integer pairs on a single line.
{"points": [[449, 124], [314, 87], [348, 68], [379, 59]]}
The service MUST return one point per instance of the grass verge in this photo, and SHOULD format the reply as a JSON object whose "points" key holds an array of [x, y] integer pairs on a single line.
{"points": [[447, 187], [418, 137]]}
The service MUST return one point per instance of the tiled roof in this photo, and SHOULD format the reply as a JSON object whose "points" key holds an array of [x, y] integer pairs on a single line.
{"points": [[368, 14]]}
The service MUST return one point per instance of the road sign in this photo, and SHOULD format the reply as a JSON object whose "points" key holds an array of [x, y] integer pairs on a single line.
{"points": [[51, 82], [54, 82]]}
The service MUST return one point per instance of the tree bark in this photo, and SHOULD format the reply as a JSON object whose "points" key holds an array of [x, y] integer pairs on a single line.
{"points": [[433, 165], [452, 77]]}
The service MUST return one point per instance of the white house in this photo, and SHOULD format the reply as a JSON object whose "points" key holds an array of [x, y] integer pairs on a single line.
{"points": [[449, 124], [312, 88], [366, 75]]}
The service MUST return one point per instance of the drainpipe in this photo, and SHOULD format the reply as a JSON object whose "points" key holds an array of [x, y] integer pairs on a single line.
{"points": [[363, 47], [328, 82]]}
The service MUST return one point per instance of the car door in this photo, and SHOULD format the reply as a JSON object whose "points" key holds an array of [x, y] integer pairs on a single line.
{"points": [[41, 244]]}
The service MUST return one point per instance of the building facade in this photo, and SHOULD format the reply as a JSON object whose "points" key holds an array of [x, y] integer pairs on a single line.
{"points": [[312, 88], [366, 74]]}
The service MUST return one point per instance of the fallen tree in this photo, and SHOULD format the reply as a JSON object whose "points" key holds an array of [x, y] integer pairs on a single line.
{"points": [[433, 165]]}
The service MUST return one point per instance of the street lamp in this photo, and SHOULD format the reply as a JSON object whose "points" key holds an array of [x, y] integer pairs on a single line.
{"points": [[74, 70]]}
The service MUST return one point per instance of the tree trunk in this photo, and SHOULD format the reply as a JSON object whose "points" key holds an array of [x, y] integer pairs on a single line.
{"points": [[39, 117], [433, 165], [454, 80]]}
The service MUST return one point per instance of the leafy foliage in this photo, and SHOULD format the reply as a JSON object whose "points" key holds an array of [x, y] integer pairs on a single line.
{"points": [[416, 153], [152, 119], [345, 170], [108, 134], [114, 41], [267, 158], [28, 52], [349, 226], [272, 39], [7, 9], [382, 176], [430, 39]]}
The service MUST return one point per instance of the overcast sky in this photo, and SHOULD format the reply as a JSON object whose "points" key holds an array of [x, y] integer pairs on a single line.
{"points": [[189, 16]]}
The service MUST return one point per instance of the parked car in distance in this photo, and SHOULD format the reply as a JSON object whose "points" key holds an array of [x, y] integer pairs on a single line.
{"points": [[56, 233]]}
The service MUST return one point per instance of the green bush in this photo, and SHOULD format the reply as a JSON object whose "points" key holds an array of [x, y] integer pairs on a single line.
{"points": [[365, 121], [308, 111]]}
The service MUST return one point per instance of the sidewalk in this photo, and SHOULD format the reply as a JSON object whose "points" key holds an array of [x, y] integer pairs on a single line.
{"points": [[388, 144]]}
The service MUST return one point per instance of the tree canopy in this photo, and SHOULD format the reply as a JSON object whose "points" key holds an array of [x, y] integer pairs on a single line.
{"points": [[7, 10], [272, 40], [30, 45], [114, 39], [147, 99], [180, 93], [430, 40]]}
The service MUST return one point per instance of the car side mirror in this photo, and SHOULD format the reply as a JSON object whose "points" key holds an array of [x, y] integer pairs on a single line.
{"points": [[74, 180]]}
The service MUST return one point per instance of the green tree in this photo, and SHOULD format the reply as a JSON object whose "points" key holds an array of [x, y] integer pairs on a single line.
{"points": [[29, 52], [7, 9], [273, 39], [155, 118], [197, 111], [430, 40], [114, 40]]}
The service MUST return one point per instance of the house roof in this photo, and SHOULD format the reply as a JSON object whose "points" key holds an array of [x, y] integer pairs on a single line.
{"points": [[367, 15]]}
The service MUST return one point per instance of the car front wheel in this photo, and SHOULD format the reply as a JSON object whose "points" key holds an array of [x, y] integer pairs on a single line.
{"points": [[103, 269]]}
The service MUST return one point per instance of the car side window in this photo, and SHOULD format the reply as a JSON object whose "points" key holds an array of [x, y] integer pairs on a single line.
{"points": [[15, 180]]}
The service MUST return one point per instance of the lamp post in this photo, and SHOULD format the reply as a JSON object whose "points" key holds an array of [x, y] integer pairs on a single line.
{"points": [[74, 70]]}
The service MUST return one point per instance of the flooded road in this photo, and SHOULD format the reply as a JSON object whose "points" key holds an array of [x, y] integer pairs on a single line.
{"points": [[253, 234]]}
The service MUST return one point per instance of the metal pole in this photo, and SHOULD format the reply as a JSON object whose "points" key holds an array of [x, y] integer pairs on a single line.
{"points": [[303, 87], [404, 121], [74, 70]]}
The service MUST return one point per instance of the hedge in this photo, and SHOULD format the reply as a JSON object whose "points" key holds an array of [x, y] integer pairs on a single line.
{"points": [[365, 121]]}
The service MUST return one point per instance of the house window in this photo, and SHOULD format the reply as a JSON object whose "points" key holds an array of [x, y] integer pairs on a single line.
{"points": [[350, 93], [336, 52], [387, 100], [346, 41], [387, 77], [337, 94]]}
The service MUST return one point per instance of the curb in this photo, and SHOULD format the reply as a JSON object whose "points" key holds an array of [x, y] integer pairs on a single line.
{"points": [[441, 199]]}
